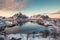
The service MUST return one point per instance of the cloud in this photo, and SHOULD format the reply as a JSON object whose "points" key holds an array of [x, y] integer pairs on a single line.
{"points": [[54, 15], [56, 12], [13, 4]]}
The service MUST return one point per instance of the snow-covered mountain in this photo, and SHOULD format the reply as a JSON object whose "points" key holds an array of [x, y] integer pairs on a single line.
{"points": [[46, 20], [18, 18]]}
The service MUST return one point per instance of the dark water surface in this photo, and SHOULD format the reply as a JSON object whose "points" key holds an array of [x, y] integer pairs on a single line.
{"points": [[32, 27]]}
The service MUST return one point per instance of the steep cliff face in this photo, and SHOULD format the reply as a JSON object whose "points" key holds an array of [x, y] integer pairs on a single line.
{"points": [[40, 18], [18, 18]]}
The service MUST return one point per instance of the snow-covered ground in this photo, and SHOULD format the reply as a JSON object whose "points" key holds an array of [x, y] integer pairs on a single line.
{"points": [[24, 37]]}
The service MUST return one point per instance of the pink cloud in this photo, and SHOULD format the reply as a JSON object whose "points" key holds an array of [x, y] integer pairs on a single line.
{"points": [[12, 5]]}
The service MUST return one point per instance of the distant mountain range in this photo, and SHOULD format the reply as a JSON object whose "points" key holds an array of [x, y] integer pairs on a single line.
{"points": [[21, 18], [47, 20]]}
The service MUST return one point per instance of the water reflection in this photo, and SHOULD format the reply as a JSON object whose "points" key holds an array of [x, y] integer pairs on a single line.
{"points": [[31, 27], [27, 28]]}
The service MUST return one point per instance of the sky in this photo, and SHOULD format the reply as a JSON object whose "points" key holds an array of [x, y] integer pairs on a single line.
{"points": [[28, 7]]}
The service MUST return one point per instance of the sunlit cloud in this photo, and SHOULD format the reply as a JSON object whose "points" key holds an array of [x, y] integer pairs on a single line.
{"points": [[7, 13], [13, 4], [54, 15]]}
